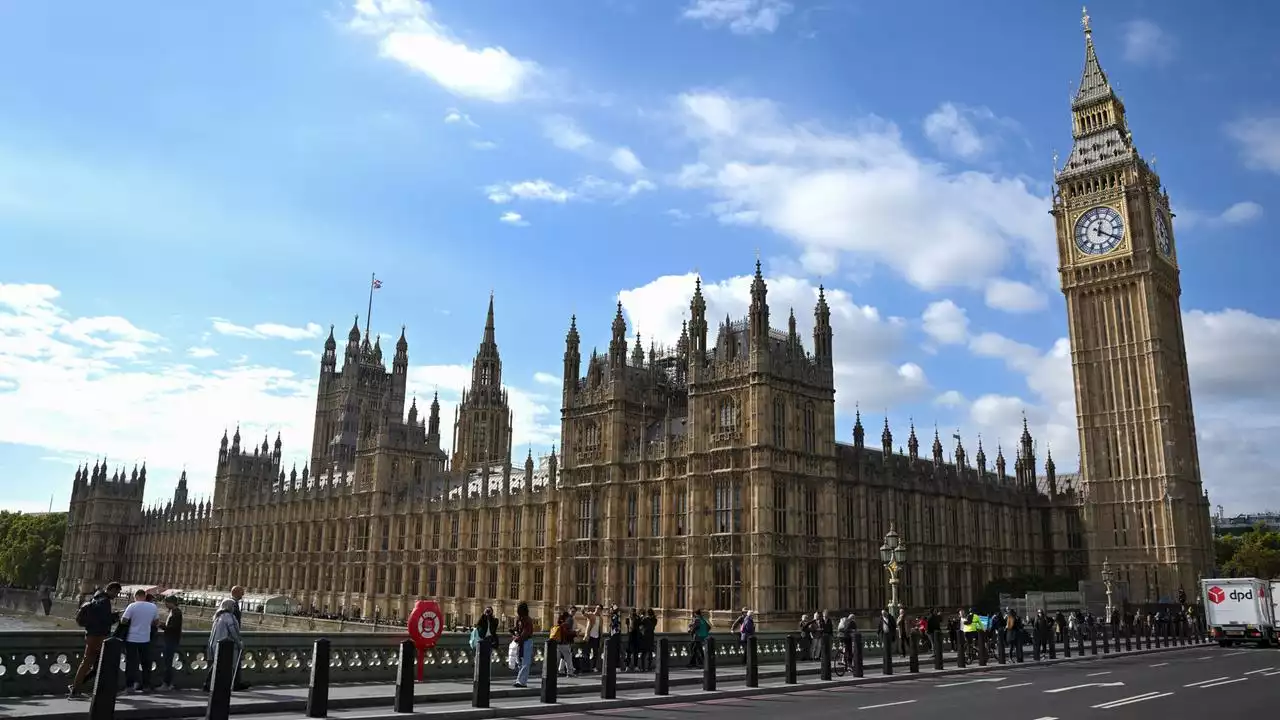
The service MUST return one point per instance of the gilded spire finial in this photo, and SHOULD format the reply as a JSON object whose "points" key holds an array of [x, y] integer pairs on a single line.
{"points": [[1084, 20]]}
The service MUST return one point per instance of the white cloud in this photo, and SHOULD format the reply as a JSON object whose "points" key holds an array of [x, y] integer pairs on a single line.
{"points": [[201, 352], [503, 193], [867, 346], [862, 192], [1235, 382], [1013, 296], [1239, 213], [587, 189], [1146, 43], [79, 400], [742, 17], [545, 378], [453, 116], [1258, 140], [513, 218], [484, 145], [408, 33], [565, 134], [950, 399], [951, 129], [626, 161], [945, 323], [264, 331]]}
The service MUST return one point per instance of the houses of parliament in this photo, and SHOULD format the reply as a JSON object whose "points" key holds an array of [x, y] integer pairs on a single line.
{"points": [[709, 474]]}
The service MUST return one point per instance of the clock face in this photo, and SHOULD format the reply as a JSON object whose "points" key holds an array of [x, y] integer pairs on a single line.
{"points": [[1164, 236], [1099, 230]]}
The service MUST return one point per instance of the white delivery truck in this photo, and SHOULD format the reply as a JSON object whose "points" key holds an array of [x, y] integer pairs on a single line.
{"points": [[1239, 610]]}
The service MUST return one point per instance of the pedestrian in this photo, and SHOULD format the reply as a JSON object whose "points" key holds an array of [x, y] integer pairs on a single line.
{"points": [[172, 641], [139, 618], [562, 634], [45, 594], [522, 635], [96, 617], [746, 630], [699, 629], [226, 626]]}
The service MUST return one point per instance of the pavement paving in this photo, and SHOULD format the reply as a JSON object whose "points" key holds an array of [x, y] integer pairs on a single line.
{"points": [[452, 699]]}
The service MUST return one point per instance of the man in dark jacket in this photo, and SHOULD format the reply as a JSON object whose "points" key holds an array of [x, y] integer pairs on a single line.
{"points": [[96, 617]]}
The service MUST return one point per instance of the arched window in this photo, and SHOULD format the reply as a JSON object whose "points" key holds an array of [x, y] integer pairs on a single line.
{"points": [[588, 436], [780, 423], [810, 429], [728, 415]]}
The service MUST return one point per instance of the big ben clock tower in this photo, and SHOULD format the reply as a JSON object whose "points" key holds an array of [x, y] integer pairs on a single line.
{"points": [[1145, 509]]}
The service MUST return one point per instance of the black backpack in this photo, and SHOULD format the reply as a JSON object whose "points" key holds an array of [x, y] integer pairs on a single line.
{"points": [[82, 615]]}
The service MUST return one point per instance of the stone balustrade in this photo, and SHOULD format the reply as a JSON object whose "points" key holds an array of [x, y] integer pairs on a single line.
{"points": [[42, 663]]}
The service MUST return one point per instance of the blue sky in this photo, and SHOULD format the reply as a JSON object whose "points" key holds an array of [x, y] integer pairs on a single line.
{"points": [[190, 195]]}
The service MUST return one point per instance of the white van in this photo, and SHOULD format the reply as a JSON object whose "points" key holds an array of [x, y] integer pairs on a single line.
{"points": [[1239, 610]]}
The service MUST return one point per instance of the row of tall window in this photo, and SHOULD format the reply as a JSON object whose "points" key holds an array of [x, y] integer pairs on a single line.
{"points": [[782, 424]]}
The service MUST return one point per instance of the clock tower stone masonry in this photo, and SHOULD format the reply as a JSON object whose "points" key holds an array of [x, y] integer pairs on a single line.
{"points": [[1145, 509]]}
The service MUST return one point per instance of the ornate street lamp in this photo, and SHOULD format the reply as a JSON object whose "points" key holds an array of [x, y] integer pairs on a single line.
{"points": [[1107, 577], [893, 553]]}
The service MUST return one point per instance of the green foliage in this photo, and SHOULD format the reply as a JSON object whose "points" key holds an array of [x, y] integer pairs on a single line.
{"points": [[1253, 554], [31, 548], [989, 600]]}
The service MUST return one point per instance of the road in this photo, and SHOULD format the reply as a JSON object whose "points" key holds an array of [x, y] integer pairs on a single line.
{"points": [[1215, 682]]}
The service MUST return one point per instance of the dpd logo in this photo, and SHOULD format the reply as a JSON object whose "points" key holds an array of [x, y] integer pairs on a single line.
{"points": [[1239, 595], [1216, 595]]}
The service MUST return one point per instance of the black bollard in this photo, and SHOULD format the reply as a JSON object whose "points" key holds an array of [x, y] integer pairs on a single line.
{"points": [[913, 653], [1066, 648], [790, 661], [1093, 643], [753, 670], [857, 654], [224, 670], [318, 692], [709, 666], [662, 668], [824, 657], [1051, 645], [981, 638], [405, 675], [1128, 641], [106, 681], [886, 647], [935, 639], [550, 671], [1106, 641], [1018, 650], [1035, 650], [609, 671], [1080, 645], [482, 677], [961, 639]]}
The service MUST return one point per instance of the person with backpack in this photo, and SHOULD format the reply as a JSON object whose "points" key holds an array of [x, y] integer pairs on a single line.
{"points": [[96, 617], [562, 633], [699, 630]]}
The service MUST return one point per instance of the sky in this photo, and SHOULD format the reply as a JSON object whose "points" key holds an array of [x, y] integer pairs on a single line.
{"points": [[192, 193]]}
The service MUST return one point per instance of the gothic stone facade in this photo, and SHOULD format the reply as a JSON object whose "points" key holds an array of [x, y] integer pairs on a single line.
{"points": [[705, 476]]}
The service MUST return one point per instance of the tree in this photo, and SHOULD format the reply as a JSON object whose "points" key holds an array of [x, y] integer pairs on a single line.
{"points": [[31, 548], [1254, 554]]}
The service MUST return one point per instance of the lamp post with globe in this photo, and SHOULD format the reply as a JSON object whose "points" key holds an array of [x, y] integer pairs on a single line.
{"points": [[893, 553], [1107, 577]]}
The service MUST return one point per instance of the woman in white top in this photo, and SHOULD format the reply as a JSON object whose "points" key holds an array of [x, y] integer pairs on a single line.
{"points": [[225, 626]]}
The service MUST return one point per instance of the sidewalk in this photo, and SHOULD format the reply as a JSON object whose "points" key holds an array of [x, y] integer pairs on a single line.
{"points": [[427, 696], [452, 699]]}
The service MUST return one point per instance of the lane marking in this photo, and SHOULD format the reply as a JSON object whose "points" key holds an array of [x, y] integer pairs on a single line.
{"points": [[1238, 652], [1269, 674], [1224, 682], [1205, 657], [1104, 672], [885, 705], [1132, 700], [971, 682], [1010, 687], [1262, 670], [1205, 682], [1086, 685], [1158, 665], [1047, 718]]}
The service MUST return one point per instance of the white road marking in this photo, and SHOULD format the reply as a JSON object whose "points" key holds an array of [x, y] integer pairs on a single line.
{"points": [[1269, 674], [971, 682], [1010, 687], [1086, 685], [1205, 657], [1129, 701], [885, 705], [1262, 670], [1238, 652], [1104, 672], [1159, 665], [1224, 682], [1047, 718], [1205, 682]]}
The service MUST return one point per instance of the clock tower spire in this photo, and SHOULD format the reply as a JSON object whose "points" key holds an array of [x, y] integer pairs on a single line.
{"points": [[1145, 507]]}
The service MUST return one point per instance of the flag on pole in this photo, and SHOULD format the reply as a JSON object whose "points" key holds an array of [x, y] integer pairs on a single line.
{"points": [[377, 284]]}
